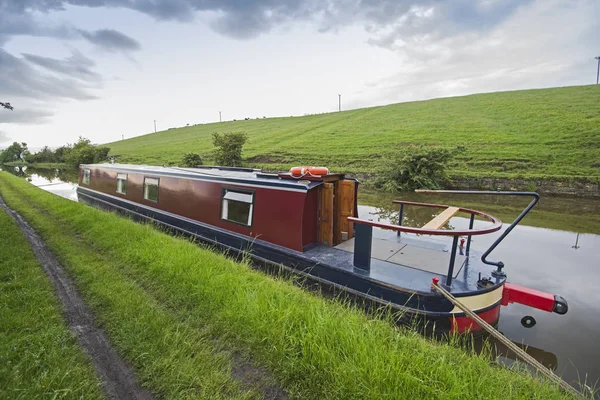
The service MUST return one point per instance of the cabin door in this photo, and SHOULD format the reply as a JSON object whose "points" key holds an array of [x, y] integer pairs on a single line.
{"points": [[346, 202], [326, 214], [337, 202]]}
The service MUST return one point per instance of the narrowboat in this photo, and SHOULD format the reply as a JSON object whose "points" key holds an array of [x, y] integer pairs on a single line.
{"points": [[306, 220]]}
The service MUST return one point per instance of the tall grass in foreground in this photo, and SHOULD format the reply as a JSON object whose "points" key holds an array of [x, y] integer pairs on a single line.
{"points": [[316, 348], [39, 357]]}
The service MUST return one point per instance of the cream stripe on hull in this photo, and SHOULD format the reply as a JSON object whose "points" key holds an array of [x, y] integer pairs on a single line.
{"points": [[480, 301]]}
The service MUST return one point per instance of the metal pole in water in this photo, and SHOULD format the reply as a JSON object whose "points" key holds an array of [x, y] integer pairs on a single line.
{"points": [[576, 242]]}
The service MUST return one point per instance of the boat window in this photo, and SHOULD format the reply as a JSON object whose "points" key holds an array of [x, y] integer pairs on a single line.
{"points": [[237, 206], [151, 189], [86, 177], [122, 183]]}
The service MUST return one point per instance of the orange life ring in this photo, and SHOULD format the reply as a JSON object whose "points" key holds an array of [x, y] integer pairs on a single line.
{"points": [[314, 171]]}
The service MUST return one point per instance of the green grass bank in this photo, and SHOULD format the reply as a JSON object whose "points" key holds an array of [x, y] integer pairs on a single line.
{"points": [[184, 315], [39, 356], [533, 134]]}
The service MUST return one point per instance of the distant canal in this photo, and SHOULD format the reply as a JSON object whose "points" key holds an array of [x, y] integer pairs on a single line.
{"points": [[555, 249]]}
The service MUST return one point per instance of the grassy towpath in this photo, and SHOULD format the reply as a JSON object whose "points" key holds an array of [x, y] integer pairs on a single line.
{"points": [[537, 134], [39, 356], [185, 317]]}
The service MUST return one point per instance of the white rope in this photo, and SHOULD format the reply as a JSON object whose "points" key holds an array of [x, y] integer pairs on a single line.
{"points": [[501, 338]]}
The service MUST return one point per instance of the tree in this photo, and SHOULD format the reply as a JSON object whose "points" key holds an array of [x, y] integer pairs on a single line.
{"points": [[45, 155], [84, 152], [191, 160], [14, 152], [413, 167], [59, 153], [228, 148]]}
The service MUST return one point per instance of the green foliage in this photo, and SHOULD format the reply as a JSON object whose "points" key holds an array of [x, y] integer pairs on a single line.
{"points": [[550, 133], [228, 148], [59, 153], [84, 152], [191, 160], [413, 167], [46, 155], [14, 152]]}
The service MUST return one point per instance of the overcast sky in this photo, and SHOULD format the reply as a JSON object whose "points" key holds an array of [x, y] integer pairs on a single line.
{"points": [[107, 68]]}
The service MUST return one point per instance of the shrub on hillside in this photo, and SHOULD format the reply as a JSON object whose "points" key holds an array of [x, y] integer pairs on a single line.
{"points": [[191, 160], [413, 167], [84, 152], [228, 148]]}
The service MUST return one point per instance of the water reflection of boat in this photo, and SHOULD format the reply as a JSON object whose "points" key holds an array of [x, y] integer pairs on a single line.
{"points": [[309, 224], [498, 349]]}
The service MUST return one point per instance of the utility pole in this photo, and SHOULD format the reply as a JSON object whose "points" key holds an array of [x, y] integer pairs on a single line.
{"points": [[339, 102], [220, 117], [154, 126], [598, 70]]}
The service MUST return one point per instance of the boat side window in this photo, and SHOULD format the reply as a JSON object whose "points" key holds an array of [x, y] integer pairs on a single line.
{"points": [[122, 183], [86, 177], [237, 206], [151, 189]]}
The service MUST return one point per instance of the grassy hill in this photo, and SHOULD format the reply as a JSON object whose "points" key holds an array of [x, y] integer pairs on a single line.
{"points": [[544, 133]]}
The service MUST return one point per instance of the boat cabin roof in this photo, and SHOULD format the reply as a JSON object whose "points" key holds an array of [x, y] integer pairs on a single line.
{"points": [[247, 176]]}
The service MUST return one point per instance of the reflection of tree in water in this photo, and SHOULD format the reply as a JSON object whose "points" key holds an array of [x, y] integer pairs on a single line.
{"points": [[47, 173], [70, 175], [66, 175], [18, 171], [413, 216]]}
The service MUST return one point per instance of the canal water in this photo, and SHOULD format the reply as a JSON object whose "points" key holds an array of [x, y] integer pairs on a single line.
{"points": [[556, 249]]}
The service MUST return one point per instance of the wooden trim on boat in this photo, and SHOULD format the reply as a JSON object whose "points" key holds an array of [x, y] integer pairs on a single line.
{"points": [[441, 219]]}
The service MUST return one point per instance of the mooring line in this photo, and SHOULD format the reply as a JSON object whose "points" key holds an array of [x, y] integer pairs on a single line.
{"points": [[504, 340], [118, 378]]}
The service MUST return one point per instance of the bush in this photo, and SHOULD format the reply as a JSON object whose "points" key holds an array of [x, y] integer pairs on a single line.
{"points": [[413, 167], [228, 148], [84, 152], [14, 152], [45, 155], [191, 160]]}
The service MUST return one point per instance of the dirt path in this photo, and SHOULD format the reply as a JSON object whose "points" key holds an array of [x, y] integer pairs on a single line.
{"points": [[118, 379]]}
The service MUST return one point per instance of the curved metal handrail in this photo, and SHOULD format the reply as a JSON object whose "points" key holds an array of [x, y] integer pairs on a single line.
{"points": [[498, 264], [497, 224]]}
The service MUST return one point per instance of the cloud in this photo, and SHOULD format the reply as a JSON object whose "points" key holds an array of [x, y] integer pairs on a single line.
{"points": [[28, 82], [25, 116], [77, 65], [4, 137], [514, 54], [26, 17], [247, 19], [111, 40], [36, 83]]}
